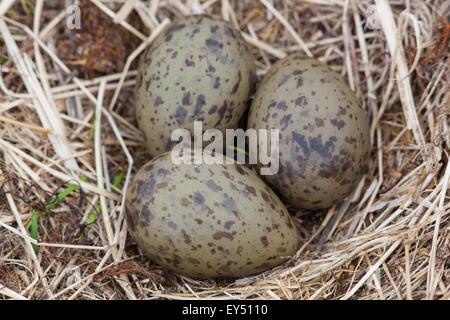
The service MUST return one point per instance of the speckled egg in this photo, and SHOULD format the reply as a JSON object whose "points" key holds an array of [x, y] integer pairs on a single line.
{"points": [[197, 69], [208, 221], [324, 134]]}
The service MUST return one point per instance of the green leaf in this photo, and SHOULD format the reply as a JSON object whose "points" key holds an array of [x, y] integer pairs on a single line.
{"points": [[34, 231], [64, 194], [58, 198], [33, 224], [91, 133], [93, 216], [118, 179], [116, 183], [239, 150]]}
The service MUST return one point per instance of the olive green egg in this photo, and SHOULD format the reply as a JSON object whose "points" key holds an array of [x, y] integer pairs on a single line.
{"points": [[324, 139], [208, 220], [197, 69]]}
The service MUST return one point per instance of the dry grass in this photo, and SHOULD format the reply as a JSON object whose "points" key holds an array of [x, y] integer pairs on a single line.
{"points": [[388, 240]]}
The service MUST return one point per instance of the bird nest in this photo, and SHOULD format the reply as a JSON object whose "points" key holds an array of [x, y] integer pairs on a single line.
{"points": [[69, 146]]}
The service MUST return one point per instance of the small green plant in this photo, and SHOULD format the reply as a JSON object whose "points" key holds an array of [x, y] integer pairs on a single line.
{"points": [[91, 133], [33, 224], [98, 209]]}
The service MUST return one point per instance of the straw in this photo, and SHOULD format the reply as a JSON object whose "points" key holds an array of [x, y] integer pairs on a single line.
{"points": [[387, 240]]}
